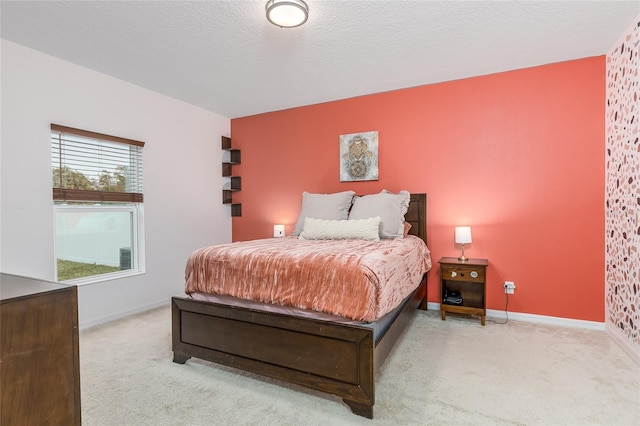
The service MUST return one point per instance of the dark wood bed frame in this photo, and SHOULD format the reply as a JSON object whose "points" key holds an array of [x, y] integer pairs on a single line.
{"points": [[330, 357]]}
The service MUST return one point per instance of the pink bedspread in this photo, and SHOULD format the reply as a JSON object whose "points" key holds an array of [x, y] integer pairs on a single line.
{"points": [[357, 279]]}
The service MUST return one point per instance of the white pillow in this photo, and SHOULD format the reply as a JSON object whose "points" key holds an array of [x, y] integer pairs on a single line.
{"points": [[324, 206], [322, 229], [389, 206]]}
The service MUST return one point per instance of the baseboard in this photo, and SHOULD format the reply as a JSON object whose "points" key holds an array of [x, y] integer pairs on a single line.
{"points": [[537, 319], [623, 342], [122, 314], [433, 306]]}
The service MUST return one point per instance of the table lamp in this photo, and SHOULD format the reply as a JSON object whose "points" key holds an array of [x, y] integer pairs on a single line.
{"points": [[278, 231], [463, 236]]}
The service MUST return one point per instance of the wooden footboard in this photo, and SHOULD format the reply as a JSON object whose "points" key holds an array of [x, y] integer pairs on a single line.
{"points": [[330, 357]]}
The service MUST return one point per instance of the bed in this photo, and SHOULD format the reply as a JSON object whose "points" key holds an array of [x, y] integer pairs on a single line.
{"points": [[339, 358]]}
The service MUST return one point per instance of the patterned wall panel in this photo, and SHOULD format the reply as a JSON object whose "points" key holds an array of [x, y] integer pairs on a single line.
{"points": [[622, 197]]}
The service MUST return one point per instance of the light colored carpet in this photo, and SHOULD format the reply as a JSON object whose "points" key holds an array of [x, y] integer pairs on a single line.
{"points": [[452, 372]]}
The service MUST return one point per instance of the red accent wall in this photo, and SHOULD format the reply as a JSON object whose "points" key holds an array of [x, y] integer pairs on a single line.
{"points": [[517, 155]]}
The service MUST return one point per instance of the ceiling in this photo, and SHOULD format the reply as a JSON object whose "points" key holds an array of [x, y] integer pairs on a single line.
{"points": [[226, 58]]}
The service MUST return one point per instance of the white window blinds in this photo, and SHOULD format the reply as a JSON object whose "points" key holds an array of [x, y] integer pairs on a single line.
{"points": [[89, 166]]}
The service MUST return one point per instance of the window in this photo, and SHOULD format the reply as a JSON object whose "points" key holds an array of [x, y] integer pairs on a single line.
{"points": [[98, 195]]}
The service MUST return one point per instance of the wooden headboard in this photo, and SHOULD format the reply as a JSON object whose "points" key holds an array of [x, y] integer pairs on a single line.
{"points": [[417, 216]]}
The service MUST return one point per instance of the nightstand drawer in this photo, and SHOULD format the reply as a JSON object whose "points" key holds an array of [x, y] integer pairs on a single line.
{"points": [[463, 273]]}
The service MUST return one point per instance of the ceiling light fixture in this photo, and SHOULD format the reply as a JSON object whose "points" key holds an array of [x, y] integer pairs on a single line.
{"points": [[287, 13]]}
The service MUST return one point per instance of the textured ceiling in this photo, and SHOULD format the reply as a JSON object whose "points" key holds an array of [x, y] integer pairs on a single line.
{"points": [[225, 57]]}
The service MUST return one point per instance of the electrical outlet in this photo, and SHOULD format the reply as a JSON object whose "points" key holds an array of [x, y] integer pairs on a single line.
{"points": [[509, 287]]}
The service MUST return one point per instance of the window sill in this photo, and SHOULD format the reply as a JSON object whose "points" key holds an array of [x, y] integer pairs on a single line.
{"points": [[95, 279]]}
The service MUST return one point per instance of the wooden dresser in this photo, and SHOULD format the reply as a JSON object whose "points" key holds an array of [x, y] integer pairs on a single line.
{"points": [[39, 360]]}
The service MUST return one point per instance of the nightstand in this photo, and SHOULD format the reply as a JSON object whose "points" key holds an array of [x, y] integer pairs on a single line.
{"points": [[463, 287]]}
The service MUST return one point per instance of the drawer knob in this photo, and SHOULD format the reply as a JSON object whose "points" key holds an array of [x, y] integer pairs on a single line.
{"points": [[474, 274], [454, 274]]}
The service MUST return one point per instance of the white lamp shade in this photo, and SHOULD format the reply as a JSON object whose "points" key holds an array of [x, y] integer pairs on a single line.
{"points": [[278, 231], [287, 13], [463, 234]]}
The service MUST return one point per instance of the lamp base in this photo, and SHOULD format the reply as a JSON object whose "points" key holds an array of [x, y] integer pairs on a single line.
{"points": [[462, 257]]}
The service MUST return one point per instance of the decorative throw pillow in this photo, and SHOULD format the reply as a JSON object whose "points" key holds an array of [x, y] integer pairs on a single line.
{"points": [[407, 228], [389, 206], [322, 229], [324, 206]]}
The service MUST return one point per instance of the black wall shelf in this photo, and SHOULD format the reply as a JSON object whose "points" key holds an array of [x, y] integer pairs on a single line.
{"points": [[235, 182]]}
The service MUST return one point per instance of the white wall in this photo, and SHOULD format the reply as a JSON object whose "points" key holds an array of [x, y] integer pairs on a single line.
{"points": [[182, 174]]}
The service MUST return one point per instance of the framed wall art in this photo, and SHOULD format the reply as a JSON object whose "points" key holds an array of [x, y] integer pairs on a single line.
{"points": [[359, 156]]}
